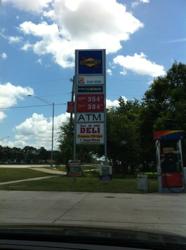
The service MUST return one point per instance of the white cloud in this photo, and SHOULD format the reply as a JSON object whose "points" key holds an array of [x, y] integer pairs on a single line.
{"points": [[40, 30], [123, 72], [26, 5], [75, 27], [139, 64], [39, 61], [138, 2], [36, 130], [2, 116], [12, 143], [114, 103], [144, 1], [3, 56], [14, 39], [109, 72], [10, 94], [26, 46]]}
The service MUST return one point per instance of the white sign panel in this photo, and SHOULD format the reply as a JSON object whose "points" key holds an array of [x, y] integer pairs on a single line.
{"points": [[89, 117], [91, 80], [90, 133]]}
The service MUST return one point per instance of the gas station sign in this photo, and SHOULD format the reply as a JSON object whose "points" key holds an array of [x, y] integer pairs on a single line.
{"points": [[90, 97]]}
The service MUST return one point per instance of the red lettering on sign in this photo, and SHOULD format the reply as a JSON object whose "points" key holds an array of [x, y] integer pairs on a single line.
{"points": [[88, 130], [82, 130], [90, 103]]}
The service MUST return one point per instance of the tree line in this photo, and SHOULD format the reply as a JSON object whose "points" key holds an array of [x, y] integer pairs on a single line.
{"points": [[28, 155], [130, 126]]}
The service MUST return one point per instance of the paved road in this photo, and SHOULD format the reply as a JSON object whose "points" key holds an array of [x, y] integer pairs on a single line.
{"points": [[153, 212]]}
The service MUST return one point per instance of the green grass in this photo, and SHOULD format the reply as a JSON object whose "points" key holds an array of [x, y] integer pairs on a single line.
{"points": [[81, 184], [11, 174], [151, 174]]}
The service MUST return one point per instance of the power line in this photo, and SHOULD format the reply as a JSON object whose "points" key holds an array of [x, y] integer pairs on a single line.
{"points": [[33, 106], [49, 80]]}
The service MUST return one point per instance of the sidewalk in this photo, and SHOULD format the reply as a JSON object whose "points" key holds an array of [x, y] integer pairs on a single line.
{"points": [[28, 179], [49, 171]]}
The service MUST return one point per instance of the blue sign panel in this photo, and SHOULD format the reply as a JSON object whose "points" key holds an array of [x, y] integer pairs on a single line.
{"points": [[90, 62]]}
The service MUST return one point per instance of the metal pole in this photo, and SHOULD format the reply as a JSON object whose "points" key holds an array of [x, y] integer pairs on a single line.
{"points": [[181, 154], [158, 158], [52, 142], [52, 146], [74, 90], [105, 109], [72, 99]]}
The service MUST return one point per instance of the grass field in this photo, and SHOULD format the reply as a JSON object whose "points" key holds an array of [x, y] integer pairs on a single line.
{"points": [[81, 184], [11, 174]]}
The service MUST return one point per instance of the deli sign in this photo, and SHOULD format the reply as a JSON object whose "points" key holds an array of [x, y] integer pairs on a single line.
{"points": [[90, 133]]}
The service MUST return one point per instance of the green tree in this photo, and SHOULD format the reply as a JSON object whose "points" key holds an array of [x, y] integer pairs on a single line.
{"points": [[123, 135], [66, 141], [164, 107]]}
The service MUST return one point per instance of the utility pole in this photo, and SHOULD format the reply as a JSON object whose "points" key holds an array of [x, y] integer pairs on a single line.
{"points": [[52, 134], [52, 146]]}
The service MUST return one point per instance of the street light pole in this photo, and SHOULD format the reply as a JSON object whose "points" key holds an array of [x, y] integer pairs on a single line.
{"points": [[52, 135], [52, 148], [71, 117]]}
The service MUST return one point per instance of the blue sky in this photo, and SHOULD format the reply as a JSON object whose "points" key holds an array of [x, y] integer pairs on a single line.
{"points": [[37, 41]]}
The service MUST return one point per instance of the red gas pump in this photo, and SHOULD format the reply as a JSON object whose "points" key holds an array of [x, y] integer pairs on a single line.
{"points": [[169, 160]]}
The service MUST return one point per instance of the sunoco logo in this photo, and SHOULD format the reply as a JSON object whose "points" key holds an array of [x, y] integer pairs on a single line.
{"points": [[90, 62]]}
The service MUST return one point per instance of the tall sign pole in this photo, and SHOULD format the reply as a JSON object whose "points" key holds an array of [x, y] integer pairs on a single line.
{"points": [[105, 111], [90, 98], [75, 107]]}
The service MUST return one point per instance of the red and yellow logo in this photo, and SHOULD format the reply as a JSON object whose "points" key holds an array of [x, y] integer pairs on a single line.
{"points": [[90, 62]]}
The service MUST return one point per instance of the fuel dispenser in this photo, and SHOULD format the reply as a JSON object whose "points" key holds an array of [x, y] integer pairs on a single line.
{"points": [[169, 160]]}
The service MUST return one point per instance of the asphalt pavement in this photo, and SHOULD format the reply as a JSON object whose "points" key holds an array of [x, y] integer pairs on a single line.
{"points": [[144, 212]]}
